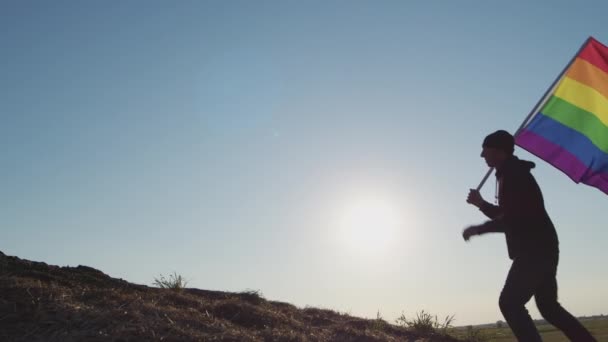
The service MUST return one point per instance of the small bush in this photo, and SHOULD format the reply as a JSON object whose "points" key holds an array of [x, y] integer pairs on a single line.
{"points": [[379, 323], [252, 296], [426, 323], [174, 282]]}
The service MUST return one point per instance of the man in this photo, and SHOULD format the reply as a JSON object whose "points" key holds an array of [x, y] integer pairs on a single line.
{"points": [[531, 242]]}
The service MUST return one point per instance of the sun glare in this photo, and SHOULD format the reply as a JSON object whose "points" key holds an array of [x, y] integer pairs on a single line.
{"points": [[370, 224]]}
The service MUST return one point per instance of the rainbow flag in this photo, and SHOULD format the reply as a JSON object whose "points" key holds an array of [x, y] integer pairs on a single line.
{"points": [[570, 131]]}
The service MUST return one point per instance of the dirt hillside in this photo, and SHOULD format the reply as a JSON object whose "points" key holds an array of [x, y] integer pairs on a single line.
{"points": [[40, 302]]}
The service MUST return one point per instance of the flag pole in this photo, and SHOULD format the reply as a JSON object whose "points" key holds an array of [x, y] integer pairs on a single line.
{"points": [[540, 103]]}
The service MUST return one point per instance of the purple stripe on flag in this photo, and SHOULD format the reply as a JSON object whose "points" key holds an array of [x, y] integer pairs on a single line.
{"points": [[552, 153], [598, 180], [561, 159]]}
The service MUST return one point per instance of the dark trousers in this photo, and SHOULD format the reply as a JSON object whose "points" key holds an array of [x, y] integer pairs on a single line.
{"points": [[536, 276]]}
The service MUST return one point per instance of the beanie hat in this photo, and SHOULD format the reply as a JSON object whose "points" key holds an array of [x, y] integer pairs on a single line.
{"points": [[501, 140]]}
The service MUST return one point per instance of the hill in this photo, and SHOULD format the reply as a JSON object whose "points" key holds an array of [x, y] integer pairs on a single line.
{"points": [[40, 302]]}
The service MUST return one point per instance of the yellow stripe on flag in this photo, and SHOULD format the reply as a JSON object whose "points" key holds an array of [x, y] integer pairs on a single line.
{"points": [[583, 97]]}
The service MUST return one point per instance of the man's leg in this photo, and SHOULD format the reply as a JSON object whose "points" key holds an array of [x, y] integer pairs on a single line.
{"points": [[554, 313], [520, 286]]}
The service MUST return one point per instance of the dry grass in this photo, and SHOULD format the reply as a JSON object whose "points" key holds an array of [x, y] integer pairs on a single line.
{"points": [[39, 302]]}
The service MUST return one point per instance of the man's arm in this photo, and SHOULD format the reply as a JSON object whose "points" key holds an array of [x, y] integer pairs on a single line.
{"points": [[488, 209], [492, 226]]}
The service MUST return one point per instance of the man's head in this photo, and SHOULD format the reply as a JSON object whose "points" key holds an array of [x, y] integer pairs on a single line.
{"points": [[497, 147]]}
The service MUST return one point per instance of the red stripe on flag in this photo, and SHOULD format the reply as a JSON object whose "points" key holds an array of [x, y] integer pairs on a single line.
{"points": [[595, 53]]}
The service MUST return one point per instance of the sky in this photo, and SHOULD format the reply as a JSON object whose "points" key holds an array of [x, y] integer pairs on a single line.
{"points": [[319, 152]]}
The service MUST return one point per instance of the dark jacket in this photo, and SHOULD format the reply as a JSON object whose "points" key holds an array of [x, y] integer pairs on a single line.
{"points": [[521, 213]]}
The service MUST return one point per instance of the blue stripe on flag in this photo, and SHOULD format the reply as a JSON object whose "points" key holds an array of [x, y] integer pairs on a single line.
{"points": [[570, 140]]}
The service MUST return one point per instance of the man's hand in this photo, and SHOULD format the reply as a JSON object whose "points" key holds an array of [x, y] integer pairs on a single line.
{"points": [[475, 198], [470, 231]]}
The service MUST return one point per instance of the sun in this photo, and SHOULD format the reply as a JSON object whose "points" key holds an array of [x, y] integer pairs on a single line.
{"points": [[370, 224]]}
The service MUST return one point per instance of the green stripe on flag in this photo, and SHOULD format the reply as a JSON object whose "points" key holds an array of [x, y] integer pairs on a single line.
{"points": [[578, 119]]}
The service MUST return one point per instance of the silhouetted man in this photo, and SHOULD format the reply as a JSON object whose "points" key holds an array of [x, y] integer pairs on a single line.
{"points": [[531, 241]]}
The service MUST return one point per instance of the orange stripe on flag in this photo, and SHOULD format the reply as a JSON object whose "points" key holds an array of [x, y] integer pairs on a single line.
{"points": [[590, 75]]}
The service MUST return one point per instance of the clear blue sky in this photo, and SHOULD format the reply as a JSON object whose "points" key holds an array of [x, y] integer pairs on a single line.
{"points": [[230, 142]]}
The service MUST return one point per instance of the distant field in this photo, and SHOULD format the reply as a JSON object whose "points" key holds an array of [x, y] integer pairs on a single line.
{"points": [[597, 326]]}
